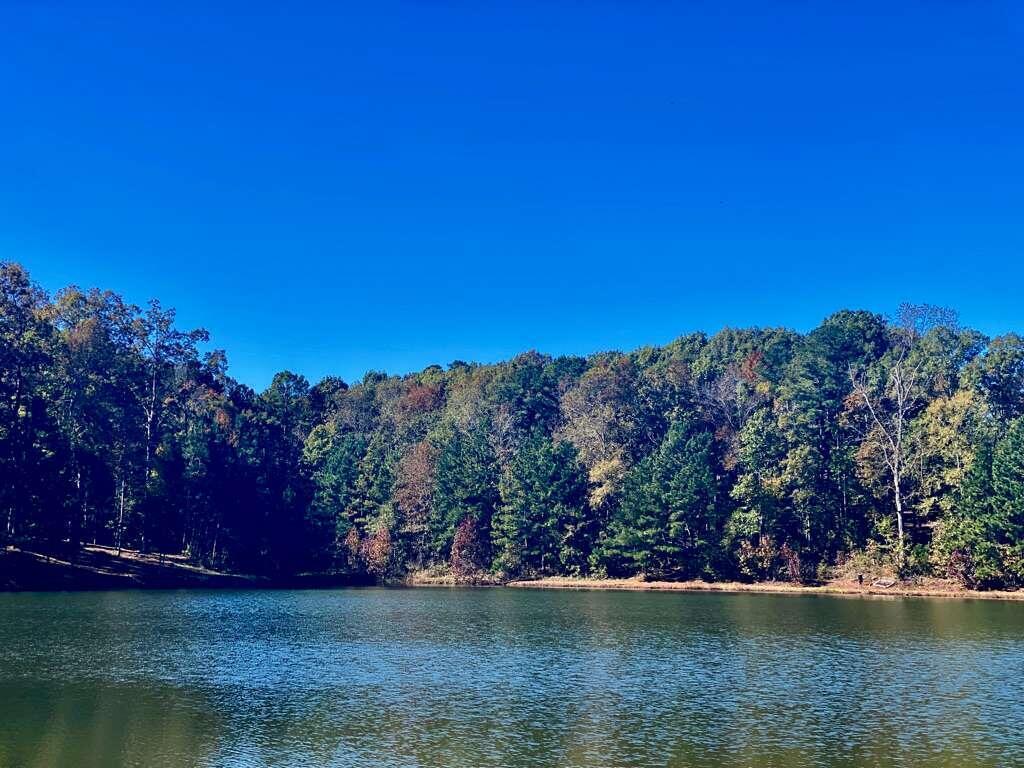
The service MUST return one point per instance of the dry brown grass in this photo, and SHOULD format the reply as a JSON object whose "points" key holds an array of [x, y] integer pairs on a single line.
{"points": [[921, 588]]}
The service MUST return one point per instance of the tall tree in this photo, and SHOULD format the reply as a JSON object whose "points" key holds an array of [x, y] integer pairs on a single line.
{"points": [[542, 523], [669, 521], [465, 485]]}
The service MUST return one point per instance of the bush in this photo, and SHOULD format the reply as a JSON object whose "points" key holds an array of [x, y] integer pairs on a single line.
{"points": [[756, 562], [790, 561], [962, 552], [872, 562], [918, 561], [467, 550], [822, 572]]}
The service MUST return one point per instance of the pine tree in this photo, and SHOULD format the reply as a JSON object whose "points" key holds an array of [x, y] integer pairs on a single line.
{"points": [[465, 485], [965, 544], [1008, 481], [668, 524], [540, 525]]}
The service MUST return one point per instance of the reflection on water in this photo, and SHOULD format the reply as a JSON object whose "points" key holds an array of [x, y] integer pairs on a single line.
{"points": [[507, 678], [94, 724]]}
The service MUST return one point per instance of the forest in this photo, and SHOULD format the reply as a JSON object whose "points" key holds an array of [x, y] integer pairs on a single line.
{"points": [[752, 454]]}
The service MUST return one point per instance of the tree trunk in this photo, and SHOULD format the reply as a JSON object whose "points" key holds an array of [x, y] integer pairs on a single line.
{"points": [[900, 551], [120, 521]]}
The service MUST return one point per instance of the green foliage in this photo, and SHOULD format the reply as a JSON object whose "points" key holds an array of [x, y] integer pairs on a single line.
{"points": [[668, 523], [979, 540], [755, 453], [334, 460], [1008, 482], [465, 486], [1001, 372], [542, 525]]}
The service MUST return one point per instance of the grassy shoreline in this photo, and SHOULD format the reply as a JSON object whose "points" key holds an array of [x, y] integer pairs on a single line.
{"points": [[928, 588], [100, 568], [840, 587]]}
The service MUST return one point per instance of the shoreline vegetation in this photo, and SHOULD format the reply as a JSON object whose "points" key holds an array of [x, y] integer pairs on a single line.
{"points": [[97, 567], [927, 588], [879, 587], [891, 448]]}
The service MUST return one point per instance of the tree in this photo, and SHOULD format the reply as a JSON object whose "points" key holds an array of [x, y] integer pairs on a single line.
{"points": [[542, 522], [25, 431], [965, 546], [889, 397], [979, 540], [945, 438], [760, 452], [379, 554], [465, 485], [669, 521], [161, 349], [759, 491], [467, 554], [1008, 483], [415, 477], [811, 405], [1002, 375], [333, 459], [279, 426]]}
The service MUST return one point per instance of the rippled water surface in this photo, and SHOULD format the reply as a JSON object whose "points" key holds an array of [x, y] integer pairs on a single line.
{"points": [[503, 677]]}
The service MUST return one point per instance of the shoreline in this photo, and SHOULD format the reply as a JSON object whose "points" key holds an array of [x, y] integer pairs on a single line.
{"points": [[931, 588], [98, 568], [102, 568]]}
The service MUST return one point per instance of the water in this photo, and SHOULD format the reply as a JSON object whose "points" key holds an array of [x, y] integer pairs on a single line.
{"points": [[509, 678]]}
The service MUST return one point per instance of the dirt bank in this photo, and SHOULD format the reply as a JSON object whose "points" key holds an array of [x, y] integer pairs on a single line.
{"points": [[924, 588], [96, 567]]}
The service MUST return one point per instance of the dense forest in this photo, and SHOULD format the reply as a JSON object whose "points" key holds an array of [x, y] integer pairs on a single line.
{"points": [[752, 454]]}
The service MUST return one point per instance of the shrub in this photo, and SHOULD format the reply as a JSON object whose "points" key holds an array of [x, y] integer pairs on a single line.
{"points": [[467, 550]]}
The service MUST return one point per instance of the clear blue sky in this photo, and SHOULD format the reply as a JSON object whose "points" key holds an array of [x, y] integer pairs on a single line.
{"points": [[381, 185]]}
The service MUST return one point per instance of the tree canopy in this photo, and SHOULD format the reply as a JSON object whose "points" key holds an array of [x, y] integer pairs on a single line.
{"points": [[753, 453]]}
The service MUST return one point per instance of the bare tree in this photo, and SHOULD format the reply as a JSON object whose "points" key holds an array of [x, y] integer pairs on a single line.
{"points": [[915, 320], [890, 403], [731, 398]]}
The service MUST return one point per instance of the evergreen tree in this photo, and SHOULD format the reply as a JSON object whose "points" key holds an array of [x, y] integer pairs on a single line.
{"points": [[1008, 495], [669, 521], [465, 485], [965, 546], [542, 522]]}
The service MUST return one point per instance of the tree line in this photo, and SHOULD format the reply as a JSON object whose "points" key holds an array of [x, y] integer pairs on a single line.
{"points": [[755, 454]]}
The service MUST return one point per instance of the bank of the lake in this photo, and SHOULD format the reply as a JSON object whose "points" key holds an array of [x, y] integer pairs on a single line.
{"points": [[922, 588], [96, 567]]}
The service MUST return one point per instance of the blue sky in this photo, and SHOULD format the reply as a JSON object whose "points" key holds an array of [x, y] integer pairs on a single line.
{"points": [[388, 185]]}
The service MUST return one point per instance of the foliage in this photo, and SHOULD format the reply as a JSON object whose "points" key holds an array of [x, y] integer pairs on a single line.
{"points": [[542, 525], [468, 554], [754, 453], [668, 521]]}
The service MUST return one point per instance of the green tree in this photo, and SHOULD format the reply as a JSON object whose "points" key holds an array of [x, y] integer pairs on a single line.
{"points": [[334, 460], [669, 520], [542, 524], [465, 485], [1002, 375]]}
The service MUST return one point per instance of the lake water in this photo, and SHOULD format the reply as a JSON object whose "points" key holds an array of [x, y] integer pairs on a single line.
{"points": [[510, 678]]}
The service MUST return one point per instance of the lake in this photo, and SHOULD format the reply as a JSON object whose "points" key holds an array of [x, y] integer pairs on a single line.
{"points": [[507, 677]]}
